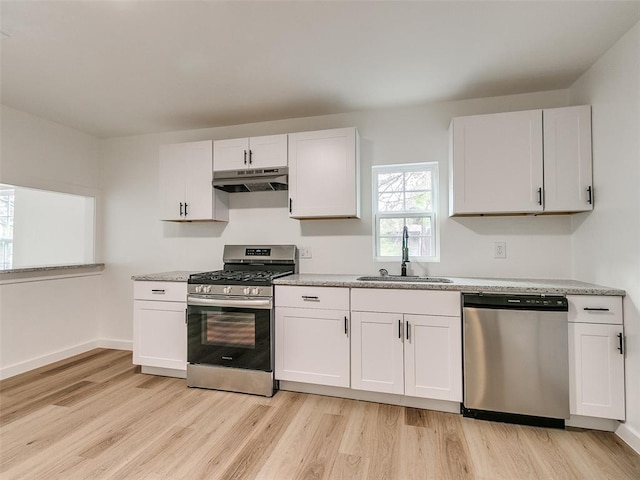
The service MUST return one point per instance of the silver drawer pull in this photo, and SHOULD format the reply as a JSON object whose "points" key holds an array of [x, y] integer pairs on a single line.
{"points": [[596, 309], [158, 291], [308, 298]]}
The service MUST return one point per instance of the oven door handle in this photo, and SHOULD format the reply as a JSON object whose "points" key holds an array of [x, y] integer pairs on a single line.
{"points": [[262, 304]]}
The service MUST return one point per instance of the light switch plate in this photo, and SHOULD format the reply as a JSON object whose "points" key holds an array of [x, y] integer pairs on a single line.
{"points": [[305, 252]]}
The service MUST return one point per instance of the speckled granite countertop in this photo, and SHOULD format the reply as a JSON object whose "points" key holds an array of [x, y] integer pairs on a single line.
{"points": [[498, 285], [30, 273], [49, 268], [175, 276]]}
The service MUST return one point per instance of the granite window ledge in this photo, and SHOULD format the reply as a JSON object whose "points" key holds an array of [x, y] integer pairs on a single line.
{"points": [[36, 273]]}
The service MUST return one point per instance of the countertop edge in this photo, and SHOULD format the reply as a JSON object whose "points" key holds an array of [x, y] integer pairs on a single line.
{"points": [[548, 287], [173, 276]]}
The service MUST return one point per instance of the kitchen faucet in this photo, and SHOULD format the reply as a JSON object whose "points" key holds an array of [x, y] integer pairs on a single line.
{"points": [[405, 251]]}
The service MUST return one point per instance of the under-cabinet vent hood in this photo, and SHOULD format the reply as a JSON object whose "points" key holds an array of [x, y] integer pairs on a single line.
{"points": [[255, 180]]}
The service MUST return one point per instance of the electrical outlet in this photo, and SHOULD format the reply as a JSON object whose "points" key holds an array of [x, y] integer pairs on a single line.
{"points": [[305, 252], [499, 249]]}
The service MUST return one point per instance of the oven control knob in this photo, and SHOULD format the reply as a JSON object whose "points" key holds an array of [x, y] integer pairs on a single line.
{"points": [[207, 289], [198, 288], [255, 291], [226, 290], [247, 291]]}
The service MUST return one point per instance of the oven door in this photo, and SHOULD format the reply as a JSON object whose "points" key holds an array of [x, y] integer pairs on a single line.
{"points": [[230, 332]]}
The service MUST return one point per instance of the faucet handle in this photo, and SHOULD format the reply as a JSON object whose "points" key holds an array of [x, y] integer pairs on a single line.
{"points": [[383, 272]]}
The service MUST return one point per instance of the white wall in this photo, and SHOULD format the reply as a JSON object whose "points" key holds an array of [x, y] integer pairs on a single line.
{"points": [[45, 320], [136, 242], [606, 242]]}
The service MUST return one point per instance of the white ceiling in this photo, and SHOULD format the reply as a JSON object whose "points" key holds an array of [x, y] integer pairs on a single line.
{"points": [[114, 68]]}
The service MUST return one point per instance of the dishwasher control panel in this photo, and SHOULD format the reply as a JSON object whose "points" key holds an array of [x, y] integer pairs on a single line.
{"points": [[520, 302]]}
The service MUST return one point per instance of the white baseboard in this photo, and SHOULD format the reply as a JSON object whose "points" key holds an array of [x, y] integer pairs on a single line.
{"points": [[165, 372], [32, 364], [592, 423], [115, 344], [428, 404], [630, 436]]}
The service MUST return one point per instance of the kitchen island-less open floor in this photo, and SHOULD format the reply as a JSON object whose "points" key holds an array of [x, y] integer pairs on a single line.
{"points": [[95, 416]]}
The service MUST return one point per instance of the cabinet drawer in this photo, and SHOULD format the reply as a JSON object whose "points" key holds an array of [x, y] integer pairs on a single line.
{"points": [[328, 298], [595, 309], [161, 291], [418, 302]]}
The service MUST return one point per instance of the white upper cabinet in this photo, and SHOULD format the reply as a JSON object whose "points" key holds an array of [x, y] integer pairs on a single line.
{"points": [[497, 163], [185, 178], [255, 152], [535, 161], [324, 174], [567, 159]]}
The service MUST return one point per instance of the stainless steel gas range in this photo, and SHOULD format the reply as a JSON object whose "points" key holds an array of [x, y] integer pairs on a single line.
{"points": [[230, 315]]}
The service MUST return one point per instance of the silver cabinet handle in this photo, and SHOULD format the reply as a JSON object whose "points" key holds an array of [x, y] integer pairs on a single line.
{"points": [[158, 291], [408, 329], [595, 309], [346, 325], [308, 298]]}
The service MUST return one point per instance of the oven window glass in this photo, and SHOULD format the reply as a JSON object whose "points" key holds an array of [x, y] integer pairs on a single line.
{"points": [[229, 329]]}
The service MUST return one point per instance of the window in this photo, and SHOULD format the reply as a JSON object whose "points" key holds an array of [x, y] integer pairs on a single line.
{"points": [[405, 195], [6, 226], [40, 228]]}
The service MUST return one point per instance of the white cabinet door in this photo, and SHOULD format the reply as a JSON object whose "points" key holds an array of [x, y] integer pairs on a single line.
{"points": [[496, 163], [567, 159], [269, 151], [312, 345], [232, 154], [199, 194], [172, 178], [377, 362], [186, 194], [160, 334], [433, 357], [596, 370], [324, 171]]}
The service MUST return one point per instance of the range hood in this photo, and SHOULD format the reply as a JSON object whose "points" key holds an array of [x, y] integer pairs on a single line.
{"points": [[254, 180]]}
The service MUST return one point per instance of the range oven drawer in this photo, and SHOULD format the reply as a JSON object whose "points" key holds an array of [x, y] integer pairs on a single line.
{"points": [[326, 298], [160, 291]]}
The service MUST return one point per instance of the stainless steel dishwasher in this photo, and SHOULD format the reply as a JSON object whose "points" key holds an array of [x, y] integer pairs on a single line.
{"points": [[516, 366]]}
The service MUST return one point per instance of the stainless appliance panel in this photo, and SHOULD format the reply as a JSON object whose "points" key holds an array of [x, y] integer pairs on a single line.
{"points": [[516, 361], [230, 379]]}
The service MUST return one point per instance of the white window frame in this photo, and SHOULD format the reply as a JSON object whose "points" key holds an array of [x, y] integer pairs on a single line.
{"points": [[433, 214]]}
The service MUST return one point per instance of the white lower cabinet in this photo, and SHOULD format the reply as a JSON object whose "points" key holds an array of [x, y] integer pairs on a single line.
{"points": [[312, 335], [433, 357], [596, 357], [159, 328], [377, 352], [411, 353]]}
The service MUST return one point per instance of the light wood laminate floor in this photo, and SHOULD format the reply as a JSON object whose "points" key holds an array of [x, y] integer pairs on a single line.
{"points": [[95, 417]]}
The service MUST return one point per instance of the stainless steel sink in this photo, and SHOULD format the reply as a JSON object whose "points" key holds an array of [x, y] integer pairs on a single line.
{"points": [[407, 279]]}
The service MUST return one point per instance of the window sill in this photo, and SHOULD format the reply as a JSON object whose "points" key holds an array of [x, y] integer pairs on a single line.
{"points": [[31, 273], [411, 259]]}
